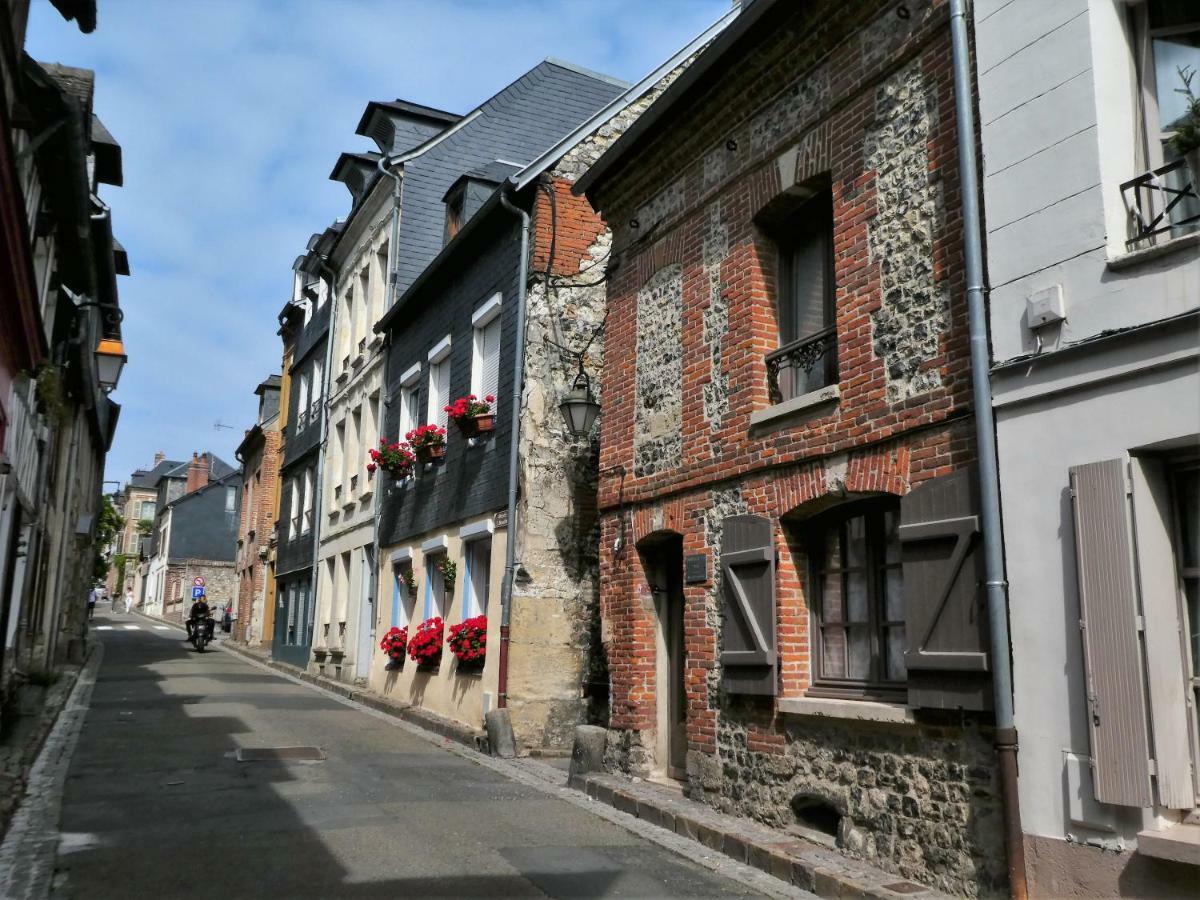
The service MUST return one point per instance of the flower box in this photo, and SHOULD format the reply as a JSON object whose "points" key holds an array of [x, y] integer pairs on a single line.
{"points": [[425, 645], [394, 643], [472, 415], [394, 458], [468, 642], [428, 442]]}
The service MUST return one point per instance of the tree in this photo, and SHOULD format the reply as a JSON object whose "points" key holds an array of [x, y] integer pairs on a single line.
{"points": [[108, 525]]}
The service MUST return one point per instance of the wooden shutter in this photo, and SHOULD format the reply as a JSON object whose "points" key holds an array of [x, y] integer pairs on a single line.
{"points": [[748, 627], [944, 603], [1166, 665], [1109, 623]]}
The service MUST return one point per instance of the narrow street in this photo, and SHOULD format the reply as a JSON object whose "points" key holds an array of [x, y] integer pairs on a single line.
{"points": [[157, 804]]}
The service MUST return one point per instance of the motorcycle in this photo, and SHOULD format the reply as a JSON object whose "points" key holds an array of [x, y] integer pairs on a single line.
{"points": [[202, 634]]}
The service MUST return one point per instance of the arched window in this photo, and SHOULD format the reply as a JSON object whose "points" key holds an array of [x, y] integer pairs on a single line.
{"points": [[856, 598]]}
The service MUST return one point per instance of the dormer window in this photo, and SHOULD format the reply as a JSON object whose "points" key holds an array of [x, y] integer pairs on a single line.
{"points": [[454, 212]]}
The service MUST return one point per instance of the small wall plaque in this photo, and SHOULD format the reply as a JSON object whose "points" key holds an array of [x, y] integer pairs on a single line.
{"points": [[695, 568], [501, 519]]}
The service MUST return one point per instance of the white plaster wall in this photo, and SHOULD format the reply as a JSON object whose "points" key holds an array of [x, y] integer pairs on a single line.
{"points": [[1039, 440], [1057, 115], [444, 692]]}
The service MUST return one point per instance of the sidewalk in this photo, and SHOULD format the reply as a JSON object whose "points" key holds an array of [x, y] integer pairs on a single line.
{"points": [[791, 859]]}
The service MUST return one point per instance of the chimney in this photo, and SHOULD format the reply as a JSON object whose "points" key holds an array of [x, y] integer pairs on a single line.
{"points": [[159, 457], [197, 475]]}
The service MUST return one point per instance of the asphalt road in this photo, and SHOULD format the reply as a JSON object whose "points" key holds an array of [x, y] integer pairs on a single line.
{"points": [[156, 804]]}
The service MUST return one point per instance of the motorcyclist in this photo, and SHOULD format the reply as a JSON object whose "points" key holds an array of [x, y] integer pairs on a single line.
{"points": [[199, 614]]}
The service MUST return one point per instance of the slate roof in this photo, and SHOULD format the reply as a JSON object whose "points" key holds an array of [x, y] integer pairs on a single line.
{"points": [[517, 124], [148, 479], [220, 469], [493, 173]]}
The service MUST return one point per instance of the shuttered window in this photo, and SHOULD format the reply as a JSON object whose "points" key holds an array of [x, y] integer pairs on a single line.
{"points": [[857, 600], [748, 656], [478, 557], [485, 362], [439, 392]]}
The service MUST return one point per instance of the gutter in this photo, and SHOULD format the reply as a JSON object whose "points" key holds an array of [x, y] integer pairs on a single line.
{"points": [[996, 585], [514, 452]]}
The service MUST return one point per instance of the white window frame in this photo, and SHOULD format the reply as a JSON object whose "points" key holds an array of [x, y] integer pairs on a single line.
{"points": [[471, 605], [307, 520], [481, 320], [439, 362], [410, 408], [294, 510]]}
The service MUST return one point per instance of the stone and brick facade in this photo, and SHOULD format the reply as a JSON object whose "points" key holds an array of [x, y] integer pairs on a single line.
{"points": [[260, 456], [856, 99]]}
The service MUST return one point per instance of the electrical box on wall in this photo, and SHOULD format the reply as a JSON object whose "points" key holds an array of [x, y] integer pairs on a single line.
{"points": [[1045, 307]]}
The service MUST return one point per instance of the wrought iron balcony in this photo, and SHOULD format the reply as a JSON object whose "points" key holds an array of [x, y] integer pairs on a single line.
{"points": [[1164, 201], [301, 420], [802, 366]]}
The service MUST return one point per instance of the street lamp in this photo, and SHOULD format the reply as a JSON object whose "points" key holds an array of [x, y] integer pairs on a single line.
{"points": [[579, 407], [110, 360]]}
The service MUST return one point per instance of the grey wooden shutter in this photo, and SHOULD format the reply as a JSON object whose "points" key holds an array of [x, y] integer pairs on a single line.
{"points": [[1109, 622], [1166, 665], [944, 603], [748, 628]]}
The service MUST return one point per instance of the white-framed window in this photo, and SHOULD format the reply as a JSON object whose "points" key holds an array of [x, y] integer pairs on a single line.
{"points": [[294, 510], [477, 560], [302, 403], [317, 386], [410, 409], [402, 600], [147, 509], [439, 382], [335, 464], [354, 450], [379, 287], [362, 312], [485, 356], [307, 523], [435, 586]]}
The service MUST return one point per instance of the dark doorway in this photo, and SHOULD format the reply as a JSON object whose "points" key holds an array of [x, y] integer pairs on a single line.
{"points": [[662, 557]]}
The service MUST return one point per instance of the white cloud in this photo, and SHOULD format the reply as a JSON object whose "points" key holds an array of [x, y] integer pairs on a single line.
{"points": [[231, 114]]}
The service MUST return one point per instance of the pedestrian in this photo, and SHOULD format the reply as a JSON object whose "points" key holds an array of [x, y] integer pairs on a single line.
{"points": [[91, 601], [129, 599]]}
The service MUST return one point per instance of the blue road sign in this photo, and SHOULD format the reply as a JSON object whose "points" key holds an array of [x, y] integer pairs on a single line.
{"points": [[197, 593]]}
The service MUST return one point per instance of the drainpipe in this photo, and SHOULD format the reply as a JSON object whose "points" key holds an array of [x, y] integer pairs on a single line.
{"points": [[514, 452], [985, 438]]}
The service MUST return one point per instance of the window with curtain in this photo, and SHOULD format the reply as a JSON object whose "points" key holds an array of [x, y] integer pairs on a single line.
{"points": [[439, 391], [804, 293], [856, 599], [435, 587], [307, 522]]}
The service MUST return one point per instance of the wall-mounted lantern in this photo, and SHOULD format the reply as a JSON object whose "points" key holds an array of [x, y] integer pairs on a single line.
{"points": [[579, 407]]}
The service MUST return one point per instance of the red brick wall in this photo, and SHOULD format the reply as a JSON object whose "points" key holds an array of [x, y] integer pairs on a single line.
{"points": [[259, 517], [700, 184], [573, 223]]}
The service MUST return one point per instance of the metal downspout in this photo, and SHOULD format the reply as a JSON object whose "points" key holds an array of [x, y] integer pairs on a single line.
{"points": [[514, 453], [985, 439]]}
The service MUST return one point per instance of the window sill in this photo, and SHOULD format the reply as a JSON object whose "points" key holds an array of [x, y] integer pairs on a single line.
{"points": [[854, 710], [804, 403], [1178, 843], [1146, 254]]}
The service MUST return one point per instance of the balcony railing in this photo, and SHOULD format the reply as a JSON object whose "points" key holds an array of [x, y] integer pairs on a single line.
{"points": [[301, 420], [1162, 201], [802, 366]]}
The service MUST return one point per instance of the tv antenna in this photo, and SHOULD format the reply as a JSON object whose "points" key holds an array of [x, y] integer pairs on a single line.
{"points": [[217, 425]]}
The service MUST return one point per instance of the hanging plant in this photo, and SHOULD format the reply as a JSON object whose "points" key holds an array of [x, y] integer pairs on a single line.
{"points": [[394, 644], [428, 442], [394, 458], [472, 415], [449, 570], [468, 640], [408, 579], [425, 646]]}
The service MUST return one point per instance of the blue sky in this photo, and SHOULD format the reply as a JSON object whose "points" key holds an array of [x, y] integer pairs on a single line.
{"points": [[231, 113]]}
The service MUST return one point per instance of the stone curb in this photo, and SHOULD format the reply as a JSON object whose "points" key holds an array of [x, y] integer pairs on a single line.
{"points": [[450, 730], [806, 865]]}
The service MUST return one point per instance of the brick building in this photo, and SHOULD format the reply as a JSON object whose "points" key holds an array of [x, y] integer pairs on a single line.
{"points": [[786, 443], [259, 456]]}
